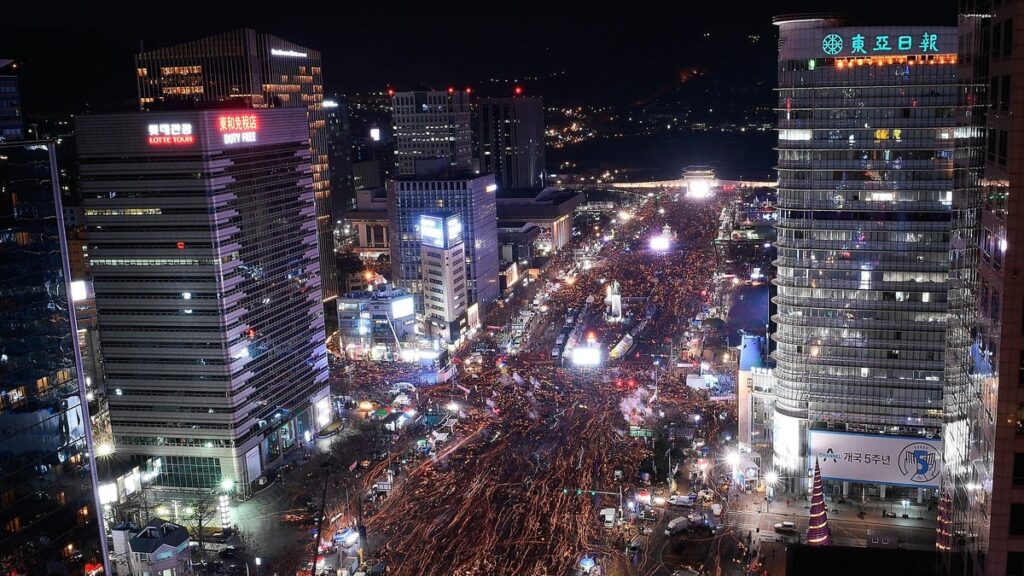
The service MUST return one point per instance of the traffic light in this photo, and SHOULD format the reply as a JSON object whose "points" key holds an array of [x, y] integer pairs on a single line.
{"points": [[565, 490], [579, 492]]}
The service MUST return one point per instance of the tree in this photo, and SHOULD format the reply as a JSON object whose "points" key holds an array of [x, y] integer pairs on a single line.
{"points": [[199, 514]]}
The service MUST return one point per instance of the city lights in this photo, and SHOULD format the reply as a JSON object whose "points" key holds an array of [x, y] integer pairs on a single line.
{"points": [[698, 189], [660, 243], [586, 356]]}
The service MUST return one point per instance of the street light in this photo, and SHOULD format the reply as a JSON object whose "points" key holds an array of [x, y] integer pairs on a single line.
{"points": [[258, 562], [733, 459], [771, 478]]}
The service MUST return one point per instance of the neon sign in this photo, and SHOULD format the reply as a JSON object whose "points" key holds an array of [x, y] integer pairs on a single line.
{"points": [[171, 134], [238, 128], [833, 44], [287, 53]]}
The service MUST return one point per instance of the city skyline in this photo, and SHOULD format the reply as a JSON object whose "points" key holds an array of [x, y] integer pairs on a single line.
{"points": [[570, 56], [617, 291]]}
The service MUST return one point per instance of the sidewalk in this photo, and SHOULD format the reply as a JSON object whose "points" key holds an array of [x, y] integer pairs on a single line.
{"points": [[920, 516]]}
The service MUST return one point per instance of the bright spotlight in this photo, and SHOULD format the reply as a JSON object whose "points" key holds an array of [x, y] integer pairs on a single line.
{"points": [[698, 189], [659, 243], [733, 459]]}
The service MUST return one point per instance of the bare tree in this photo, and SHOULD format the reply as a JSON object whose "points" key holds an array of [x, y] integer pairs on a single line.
{"points": [[199, 513]]}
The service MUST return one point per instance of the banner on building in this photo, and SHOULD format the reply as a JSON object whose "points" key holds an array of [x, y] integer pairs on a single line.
{"points": [[891, 460]]}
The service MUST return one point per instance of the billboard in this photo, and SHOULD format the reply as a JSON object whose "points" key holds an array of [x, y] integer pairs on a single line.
{"points": [[891, 460], [402, 307], [432, 231]]}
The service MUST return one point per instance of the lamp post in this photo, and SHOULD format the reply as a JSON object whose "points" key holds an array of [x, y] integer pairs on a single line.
{"points": [[771, 478], [224, 503], [258, 562]]}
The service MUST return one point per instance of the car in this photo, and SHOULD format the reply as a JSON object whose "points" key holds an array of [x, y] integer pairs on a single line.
{"points": [[678, 500], [786, 527], [228, 552]]}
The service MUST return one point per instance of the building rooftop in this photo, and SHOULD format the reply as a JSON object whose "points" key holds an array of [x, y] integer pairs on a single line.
{"points": [[531, 205], [750, 352], [157, 533], [380, 292]]}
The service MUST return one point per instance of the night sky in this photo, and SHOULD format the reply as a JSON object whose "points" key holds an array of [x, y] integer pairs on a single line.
{"points": [[75, 60]]}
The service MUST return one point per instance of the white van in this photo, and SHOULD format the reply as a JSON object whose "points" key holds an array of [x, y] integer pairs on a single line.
{"points": [[608, 515], [677, 525]]}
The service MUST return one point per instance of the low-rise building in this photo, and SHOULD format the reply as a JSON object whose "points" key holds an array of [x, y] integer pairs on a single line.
{"points": [[160, 549], [376, 322], [551, 209]]}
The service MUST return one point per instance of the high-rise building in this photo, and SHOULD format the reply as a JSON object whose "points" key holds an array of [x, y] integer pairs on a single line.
{"points": [[339, 142], [512, 141], [250, 68], [429, 125], [875, 266], [10, 103], [443, 263], [469, 196], [982, 501], [50, 520], [207, 282]]}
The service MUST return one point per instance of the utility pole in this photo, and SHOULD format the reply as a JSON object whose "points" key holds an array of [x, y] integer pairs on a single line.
{"points": [[320, 521]]}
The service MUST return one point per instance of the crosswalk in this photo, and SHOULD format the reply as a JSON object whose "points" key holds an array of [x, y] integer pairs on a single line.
{"points": [[744, 521]]}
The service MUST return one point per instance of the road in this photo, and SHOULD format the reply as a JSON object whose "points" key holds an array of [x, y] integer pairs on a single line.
{"points": [[539, 445]]}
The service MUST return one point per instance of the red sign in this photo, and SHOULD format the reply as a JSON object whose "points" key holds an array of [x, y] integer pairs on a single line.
{"points": [[237, 123], [172, 140]]}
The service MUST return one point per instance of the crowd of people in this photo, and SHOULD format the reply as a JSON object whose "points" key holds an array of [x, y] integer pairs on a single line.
{"points": [[540, 449]]}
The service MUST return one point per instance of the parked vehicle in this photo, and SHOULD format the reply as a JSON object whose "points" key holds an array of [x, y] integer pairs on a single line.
{"points": [[679, 500], [608, 515], [677, 525], [228, 553]]}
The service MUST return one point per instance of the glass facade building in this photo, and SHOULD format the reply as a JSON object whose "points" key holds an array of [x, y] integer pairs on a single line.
{"points": [[982, 506], [512, 141], [875, 251], [252, 68], [429, 126], [10, 104], [49, 517], [202, 242], [473, 199]]}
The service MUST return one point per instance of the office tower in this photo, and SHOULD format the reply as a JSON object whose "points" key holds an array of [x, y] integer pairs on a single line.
{"points": [[443, 262], [512, 141], [251, 68], [981, 496], [207, 283], [10, 103], [469, 196], [874, 255], [50, 522], [339, 143], [430, 125]]}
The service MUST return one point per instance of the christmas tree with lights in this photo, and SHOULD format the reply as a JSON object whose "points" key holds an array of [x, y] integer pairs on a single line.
{"points": [[818, 532], [944, 529]]}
